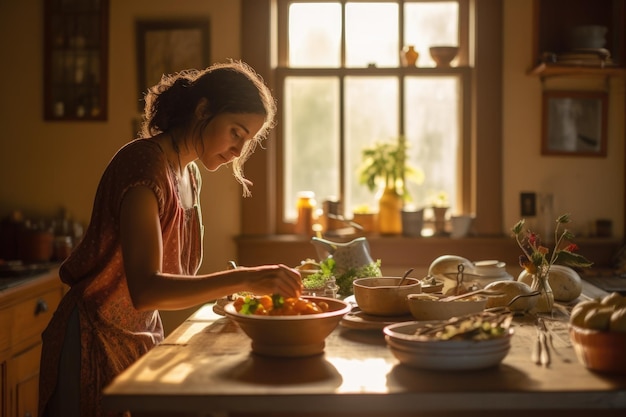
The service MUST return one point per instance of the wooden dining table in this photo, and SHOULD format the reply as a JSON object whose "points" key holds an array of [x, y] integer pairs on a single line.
{"points": [[206, 368]]}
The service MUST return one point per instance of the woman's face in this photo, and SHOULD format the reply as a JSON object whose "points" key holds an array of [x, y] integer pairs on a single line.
{"points": [[225, 136]]}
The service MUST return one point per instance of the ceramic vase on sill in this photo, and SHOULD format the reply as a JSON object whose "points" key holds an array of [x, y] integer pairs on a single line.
{"points": [[439, 214], [390, 212], [541, 283], [409, 56]]}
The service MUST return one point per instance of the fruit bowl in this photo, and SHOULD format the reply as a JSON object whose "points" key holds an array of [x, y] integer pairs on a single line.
{"points": [[601, 351], [290, 335]]}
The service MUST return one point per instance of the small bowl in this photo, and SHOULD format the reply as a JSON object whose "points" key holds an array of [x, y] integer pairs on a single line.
{"points": [[489, 268], [381, 296], [587, 37], [600, 351], [443, 55], [428, 306], [431, 285], [290, 336]]}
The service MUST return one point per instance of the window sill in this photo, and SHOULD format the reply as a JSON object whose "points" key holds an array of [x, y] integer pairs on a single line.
{"points": [[399, 252]]}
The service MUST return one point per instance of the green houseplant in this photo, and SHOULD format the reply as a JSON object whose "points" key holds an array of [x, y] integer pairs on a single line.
{"points": [[385, 169]]}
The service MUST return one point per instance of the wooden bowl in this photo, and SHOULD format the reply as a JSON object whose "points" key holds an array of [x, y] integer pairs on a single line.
{"points": [[428, 306], [381, 296], [601, 351], [443, 55], [290, 336]]}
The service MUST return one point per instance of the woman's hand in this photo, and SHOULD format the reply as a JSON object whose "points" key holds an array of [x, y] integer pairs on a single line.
{"points": [[274, 279]]}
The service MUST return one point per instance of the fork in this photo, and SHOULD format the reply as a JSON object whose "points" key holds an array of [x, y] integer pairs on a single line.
{"points": [[541, 350]]}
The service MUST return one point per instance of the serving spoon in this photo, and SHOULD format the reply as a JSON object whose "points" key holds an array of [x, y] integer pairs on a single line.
{"points": [[469, 294], [406, 274]]}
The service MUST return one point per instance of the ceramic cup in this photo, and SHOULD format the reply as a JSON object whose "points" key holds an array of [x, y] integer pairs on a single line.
{"points": [[460, 225], [412, 222]]}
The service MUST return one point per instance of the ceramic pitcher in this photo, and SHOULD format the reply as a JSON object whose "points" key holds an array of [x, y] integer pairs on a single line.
{"points": [[354, 254]]}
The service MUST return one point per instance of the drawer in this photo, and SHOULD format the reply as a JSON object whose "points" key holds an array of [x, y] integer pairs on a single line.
{"points": [[33, 314], [6, 324]]}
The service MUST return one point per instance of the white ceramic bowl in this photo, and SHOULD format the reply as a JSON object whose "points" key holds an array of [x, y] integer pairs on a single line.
{"points": [[428, 306], [290, 336], [447, 266], [587, 37], [455, 355], [485, 272], [489, 268], [381, 296]]}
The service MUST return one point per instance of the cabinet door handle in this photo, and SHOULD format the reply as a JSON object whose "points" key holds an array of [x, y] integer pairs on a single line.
{"points": [[41, 307]]}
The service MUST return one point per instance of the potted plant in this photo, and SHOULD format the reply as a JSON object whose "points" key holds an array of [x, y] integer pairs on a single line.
{"points": [[385, 169]]}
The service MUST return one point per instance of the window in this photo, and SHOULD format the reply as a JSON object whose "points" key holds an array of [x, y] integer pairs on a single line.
{"points": [[479, 189], [342, 87]]}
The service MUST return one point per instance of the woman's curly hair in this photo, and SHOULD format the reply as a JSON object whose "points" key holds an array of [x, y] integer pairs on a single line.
{"points": [[231, 87]]}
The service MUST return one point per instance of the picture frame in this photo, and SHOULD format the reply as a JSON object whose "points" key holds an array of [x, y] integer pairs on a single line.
{"points": [[574, 123], [169, 46]]}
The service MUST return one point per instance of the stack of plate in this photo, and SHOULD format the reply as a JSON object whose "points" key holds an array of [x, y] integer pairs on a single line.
{"points": [[432, 354]]}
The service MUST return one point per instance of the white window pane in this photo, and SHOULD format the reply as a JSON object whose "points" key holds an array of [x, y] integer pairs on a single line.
{"points": [[372, 35], [371, 114], [430, 24], [432, 128], [311, 132], [315, 35]]}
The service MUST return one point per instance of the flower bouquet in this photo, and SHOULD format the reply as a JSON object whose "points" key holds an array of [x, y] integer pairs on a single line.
{"points": [[537, 259]]}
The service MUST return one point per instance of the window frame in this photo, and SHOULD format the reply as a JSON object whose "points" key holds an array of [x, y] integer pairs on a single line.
{"points": [[481, 180]]}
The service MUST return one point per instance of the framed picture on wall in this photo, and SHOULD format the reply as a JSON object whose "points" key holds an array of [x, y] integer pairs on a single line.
{"points": [[574, 123], [169, 46]]}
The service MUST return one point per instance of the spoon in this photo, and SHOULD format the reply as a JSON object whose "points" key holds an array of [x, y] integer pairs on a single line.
{"points": [[406, 274], [469, 294]]}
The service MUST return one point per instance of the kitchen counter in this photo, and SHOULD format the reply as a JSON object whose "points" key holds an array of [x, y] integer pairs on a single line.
{"points": [[205, 368], [14, 274]]}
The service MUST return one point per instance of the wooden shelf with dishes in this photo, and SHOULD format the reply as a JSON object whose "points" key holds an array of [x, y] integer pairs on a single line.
{"points": [[579, 38], [553, 70]]}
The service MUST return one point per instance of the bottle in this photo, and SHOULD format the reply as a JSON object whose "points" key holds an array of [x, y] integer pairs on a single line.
{"points": [[410, 55], [306, 208]]}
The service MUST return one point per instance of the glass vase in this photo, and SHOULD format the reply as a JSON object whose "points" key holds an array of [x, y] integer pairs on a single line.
{"points": [[541, 283]]}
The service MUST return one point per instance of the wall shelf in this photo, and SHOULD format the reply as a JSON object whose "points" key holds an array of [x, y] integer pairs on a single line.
{"points": [[555, 70]]}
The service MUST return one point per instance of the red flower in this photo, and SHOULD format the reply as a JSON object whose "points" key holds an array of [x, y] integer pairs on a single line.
{"points": [[572, 247]]}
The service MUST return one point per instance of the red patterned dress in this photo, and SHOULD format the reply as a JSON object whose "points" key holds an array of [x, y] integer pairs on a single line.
{"points": [[113, 334]]}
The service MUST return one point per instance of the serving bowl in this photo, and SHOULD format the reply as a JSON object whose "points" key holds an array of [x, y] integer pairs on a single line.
{"points": [[290, 336], [443, 55], [381, 296], [601, 351], [432, 354], [429, 306]]}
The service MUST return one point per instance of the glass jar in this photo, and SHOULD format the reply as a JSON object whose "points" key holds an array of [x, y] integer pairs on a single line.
{"points": [[306, 208]]}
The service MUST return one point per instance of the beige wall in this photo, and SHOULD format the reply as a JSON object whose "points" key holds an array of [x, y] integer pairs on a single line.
{"points": [[588, 188], [45, 165]]}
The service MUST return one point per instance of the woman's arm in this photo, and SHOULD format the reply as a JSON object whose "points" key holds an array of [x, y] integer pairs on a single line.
{"points": [[150, 288]]}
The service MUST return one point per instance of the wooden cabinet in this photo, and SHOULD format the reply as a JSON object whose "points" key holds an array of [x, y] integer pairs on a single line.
{"points": [[553, 22], [75, 59], [25, 311]]}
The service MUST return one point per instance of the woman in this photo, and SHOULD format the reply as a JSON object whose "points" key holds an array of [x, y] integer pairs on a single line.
{"points": [[143, 245]]}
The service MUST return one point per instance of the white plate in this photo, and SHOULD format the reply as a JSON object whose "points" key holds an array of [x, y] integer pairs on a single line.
{"points": [[457, 362]]}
